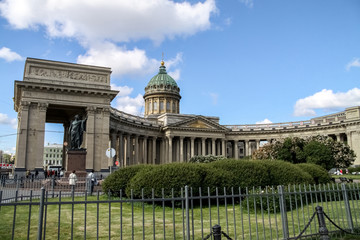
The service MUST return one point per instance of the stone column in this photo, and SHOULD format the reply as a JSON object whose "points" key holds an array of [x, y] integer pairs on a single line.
{"points": [[41, 120], [165, 158], [247, 153], [136, 155], [181, 149], [170, 138], [213, 148], [236, 149], [90, 137], [192, 143], [113, 138], [203, 146], [121, 150], [338, 137], [163, 150], [65, 140], [257, 144], [223, 143], [102, 126], [128, 150], [22, 137], [145, 150], [154, 150], [30, 140]]}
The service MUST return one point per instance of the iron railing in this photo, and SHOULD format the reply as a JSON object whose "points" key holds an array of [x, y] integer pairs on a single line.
{"points": [[282, 212]]}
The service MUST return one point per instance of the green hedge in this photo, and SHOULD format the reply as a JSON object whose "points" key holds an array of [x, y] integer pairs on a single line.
{"points": [[168, 176], [285, 173], [119, 179], [319, 174], [245, 173], [219, 174]]}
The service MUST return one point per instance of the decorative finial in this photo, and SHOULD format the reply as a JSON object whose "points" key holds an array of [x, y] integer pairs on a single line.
{"points": [[162, 59]]}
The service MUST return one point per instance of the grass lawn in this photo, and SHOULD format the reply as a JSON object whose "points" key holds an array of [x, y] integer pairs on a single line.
{"points": [[357, 177], [156, 222]]}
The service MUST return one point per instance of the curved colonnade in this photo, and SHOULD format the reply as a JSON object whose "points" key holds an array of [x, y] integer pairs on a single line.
{"points": [[176, 138]]}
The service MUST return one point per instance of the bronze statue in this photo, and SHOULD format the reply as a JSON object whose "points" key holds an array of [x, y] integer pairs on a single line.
{"points": [[76, 130]]}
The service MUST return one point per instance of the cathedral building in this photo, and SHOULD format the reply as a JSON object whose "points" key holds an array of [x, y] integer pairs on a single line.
{"points": [[55, 92]]}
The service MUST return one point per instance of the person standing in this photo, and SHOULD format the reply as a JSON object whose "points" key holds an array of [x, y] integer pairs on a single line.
{"points": [[92, 181], [72, 180]]}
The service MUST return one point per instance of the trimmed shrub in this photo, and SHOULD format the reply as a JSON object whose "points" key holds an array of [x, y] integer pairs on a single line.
{"points": [[119, 179], [245, 173], [263, 173], [217, 178], [319, 174], [168, 176], [176, 176], [285, 173]]}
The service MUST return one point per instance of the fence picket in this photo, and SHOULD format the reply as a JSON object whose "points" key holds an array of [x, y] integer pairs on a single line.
{"points": [[255, 213]]}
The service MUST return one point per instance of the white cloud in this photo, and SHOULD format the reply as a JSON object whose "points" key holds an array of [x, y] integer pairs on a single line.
{"points": [[9, 55], [227, 21], [265, 121], [248, 3], [5, 120], [130, 105], [119, 20], [326, 100], [123, 61], [175, 74], [124, 90], [354, 63], [126, 103], [100, 26]]}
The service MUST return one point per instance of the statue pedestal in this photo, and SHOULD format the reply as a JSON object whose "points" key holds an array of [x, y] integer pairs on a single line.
{"points": [[76, 161]]}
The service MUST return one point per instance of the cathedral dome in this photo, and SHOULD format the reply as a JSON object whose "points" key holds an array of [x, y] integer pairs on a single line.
{"points": [[162, 79], [162, 94]]}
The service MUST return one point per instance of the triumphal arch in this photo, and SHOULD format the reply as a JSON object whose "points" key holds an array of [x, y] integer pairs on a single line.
{"points": [[55, 92]]}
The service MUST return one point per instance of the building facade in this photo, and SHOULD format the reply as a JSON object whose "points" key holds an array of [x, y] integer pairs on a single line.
{"points": [[56, 91], [53, 155]]}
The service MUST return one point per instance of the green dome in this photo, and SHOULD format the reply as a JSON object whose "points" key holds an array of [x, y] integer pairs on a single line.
{"points": [[162, 79]]}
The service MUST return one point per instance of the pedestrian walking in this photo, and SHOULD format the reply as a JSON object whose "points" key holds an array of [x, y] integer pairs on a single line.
{"points": [[72, 180], [92, 181]]}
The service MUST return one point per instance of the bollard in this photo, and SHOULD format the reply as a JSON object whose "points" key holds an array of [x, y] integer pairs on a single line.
{"points": [[217, 232], [323, 231]]}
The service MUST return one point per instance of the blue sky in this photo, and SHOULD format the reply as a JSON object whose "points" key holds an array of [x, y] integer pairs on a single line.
{"points": [[245, 61]]}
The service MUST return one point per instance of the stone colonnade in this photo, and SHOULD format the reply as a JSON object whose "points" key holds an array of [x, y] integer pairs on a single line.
{"points": [[242, 148], [135, 149]]}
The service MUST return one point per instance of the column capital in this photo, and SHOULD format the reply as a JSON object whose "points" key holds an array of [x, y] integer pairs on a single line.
{"points": [[42, 106], [90, 110]]}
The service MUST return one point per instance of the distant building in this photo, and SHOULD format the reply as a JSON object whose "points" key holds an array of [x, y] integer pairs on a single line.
{"points": [[53, 154]]}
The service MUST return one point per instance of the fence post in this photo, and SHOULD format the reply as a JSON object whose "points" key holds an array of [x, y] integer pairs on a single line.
{"points": [[187, 212], [41, 213], [323, 231], [217, 232], [52, 185], [284, 220], [347, 207]]}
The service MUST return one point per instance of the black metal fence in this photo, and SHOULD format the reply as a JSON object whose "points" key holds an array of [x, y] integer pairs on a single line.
{"points": [[56, 212]]}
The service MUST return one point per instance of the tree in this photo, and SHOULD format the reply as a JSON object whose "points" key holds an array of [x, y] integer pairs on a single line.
{"points": [[291, 150], [320, 154], [321, 150]]}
